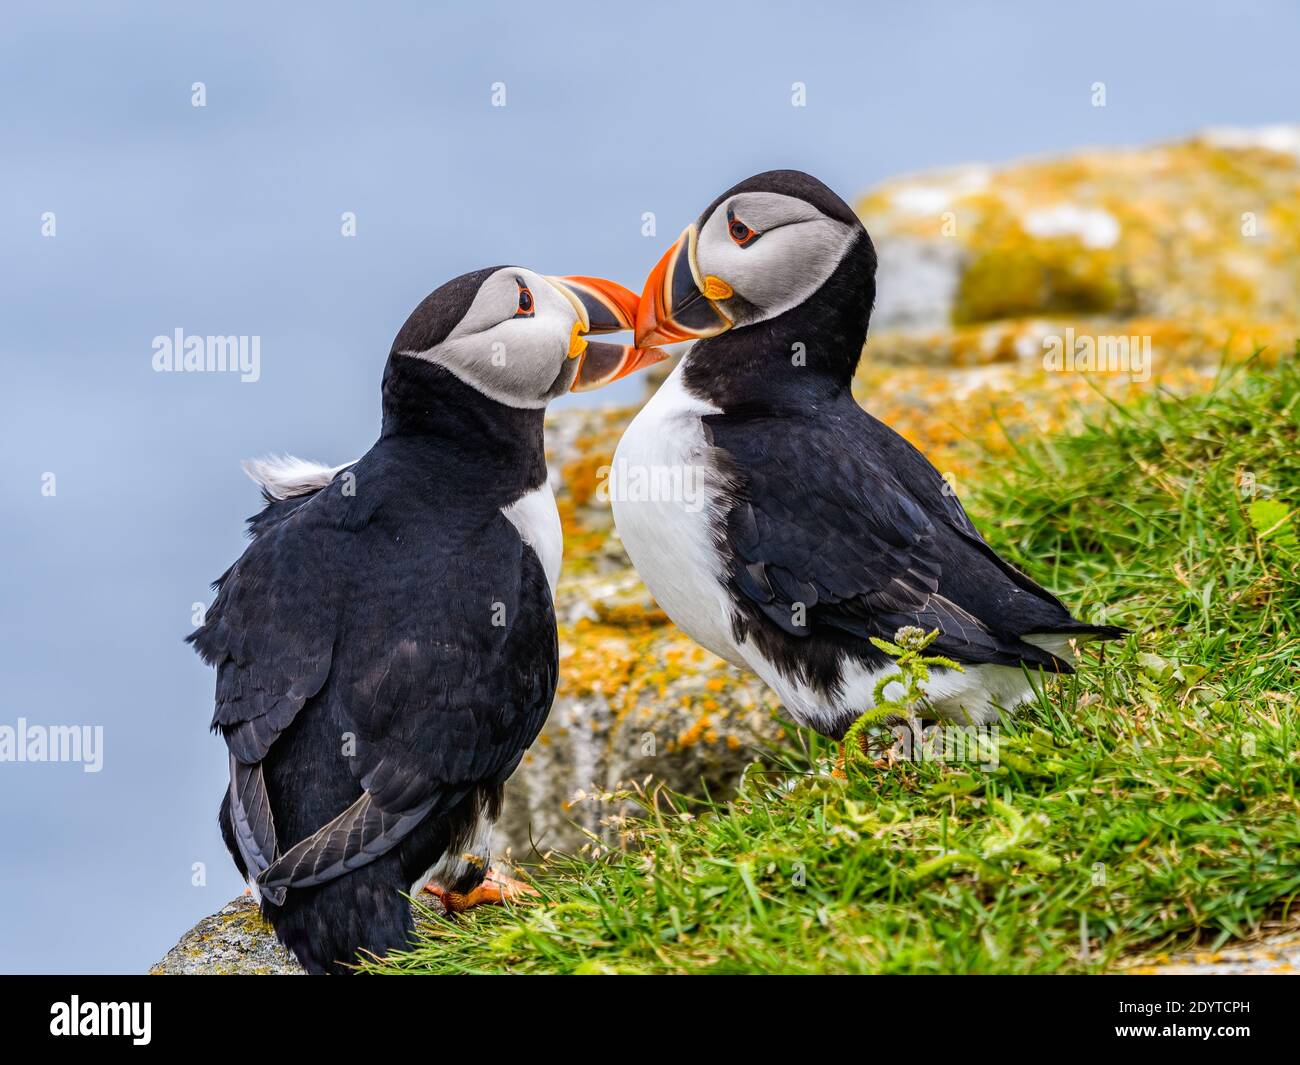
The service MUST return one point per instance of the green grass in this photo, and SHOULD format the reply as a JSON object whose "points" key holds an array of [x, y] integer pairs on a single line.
{"points": [[1146, 803]]}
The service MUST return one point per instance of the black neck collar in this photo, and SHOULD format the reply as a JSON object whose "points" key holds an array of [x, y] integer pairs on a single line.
{"points": [[759, 365], [428, 406]]}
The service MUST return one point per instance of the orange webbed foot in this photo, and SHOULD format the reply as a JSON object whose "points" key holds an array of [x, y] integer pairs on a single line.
{"points": [[495, 889]]}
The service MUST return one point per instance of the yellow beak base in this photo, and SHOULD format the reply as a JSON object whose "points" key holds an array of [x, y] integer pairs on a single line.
{"points": [[577, 342]]}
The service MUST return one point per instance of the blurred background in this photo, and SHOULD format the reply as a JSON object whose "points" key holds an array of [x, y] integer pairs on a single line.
{"points": [[127, 213]]}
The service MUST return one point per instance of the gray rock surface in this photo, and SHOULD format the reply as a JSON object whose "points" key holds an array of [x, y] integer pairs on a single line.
{"points": [[1277, 954], [234, 941]]}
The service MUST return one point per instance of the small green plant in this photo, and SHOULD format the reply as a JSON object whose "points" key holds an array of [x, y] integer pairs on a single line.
{"points": [[913, 673], [1273, 522]]}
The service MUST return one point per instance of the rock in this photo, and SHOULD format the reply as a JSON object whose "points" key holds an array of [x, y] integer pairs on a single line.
{"points": [[234, 941], [917, 282], [1277, 954], [1204, 233]]}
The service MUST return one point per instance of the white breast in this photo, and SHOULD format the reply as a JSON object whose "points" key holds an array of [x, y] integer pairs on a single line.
{"points": [[663, 488], [462, 865], [536, 518]]}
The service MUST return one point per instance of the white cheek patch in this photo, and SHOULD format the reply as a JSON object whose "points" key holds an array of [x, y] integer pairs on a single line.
{"points": [[797, 250], [511, 360], [789, 264]]}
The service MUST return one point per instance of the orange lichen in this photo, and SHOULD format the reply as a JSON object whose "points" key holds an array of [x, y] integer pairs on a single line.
{"points": [[582, 476], [701, 729]]}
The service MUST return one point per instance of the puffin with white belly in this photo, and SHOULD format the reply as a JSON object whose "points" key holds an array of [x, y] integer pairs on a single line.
{"points": [[386, 646], [812, 526]]}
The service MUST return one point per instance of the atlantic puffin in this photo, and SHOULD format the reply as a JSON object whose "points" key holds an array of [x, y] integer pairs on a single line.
{"points": [[811, 526], [386, 646]]}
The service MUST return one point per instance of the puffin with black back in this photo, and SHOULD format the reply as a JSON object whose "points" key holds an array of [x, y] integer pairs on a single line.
{"points": [[819, 527], [386, 646]]}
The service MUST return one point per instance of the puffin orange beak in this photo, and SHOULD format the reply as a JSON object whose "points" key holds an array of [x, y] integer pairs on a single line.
{"points": [[603, 363], [678, 304], [603, 307]]}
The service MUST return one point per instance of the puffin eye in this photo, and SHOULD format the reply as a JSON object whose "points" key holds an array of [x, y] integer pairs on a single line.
{"points": [[738, 231], [526, 307]]}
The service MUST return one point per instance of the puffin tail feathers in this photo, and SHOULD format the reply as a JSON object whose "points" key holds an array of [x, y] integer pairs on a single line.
{"points": [[326, 927], [1083, 631], [1054, 642], [330, 928]]}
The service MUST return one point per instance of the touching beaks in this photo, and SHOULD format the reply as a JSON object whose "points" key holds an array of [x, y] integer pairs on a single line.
{"points": [[603, 363], [678, 304], [603, 307]]}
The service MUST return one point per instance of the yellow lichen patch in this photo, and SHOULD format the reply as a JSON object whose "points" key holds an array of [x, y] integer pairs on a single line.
{"points": [[582, 541], [1174, 342], [601, 658], [1014, 277], [246, 919], [700, 730], [635, 660], [582, 476], [964, 416], [619, 662], [629, 615], [580, 443]]}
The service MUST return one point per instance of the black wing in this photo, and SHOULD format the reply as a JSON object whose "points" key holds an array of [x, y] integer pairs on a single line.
{"points": [[436, 675], [838, 523]]}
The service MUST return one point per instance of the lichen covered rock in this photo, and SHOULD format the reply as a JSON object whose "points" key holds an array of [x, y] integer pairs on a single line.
{"points": [[1276, 953], [1205, 227], [234, 941]]}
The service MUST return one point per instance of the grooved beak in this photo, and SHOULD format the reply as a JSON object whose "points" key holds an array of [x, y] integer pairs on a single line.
{"points": [[603, 363], [674, 306], [603, 307]]}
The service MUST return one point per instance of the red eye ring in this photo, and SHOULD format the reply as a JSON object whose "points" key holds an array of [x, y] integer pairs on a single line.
{"points": [[740, 233], [527, 305]]}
